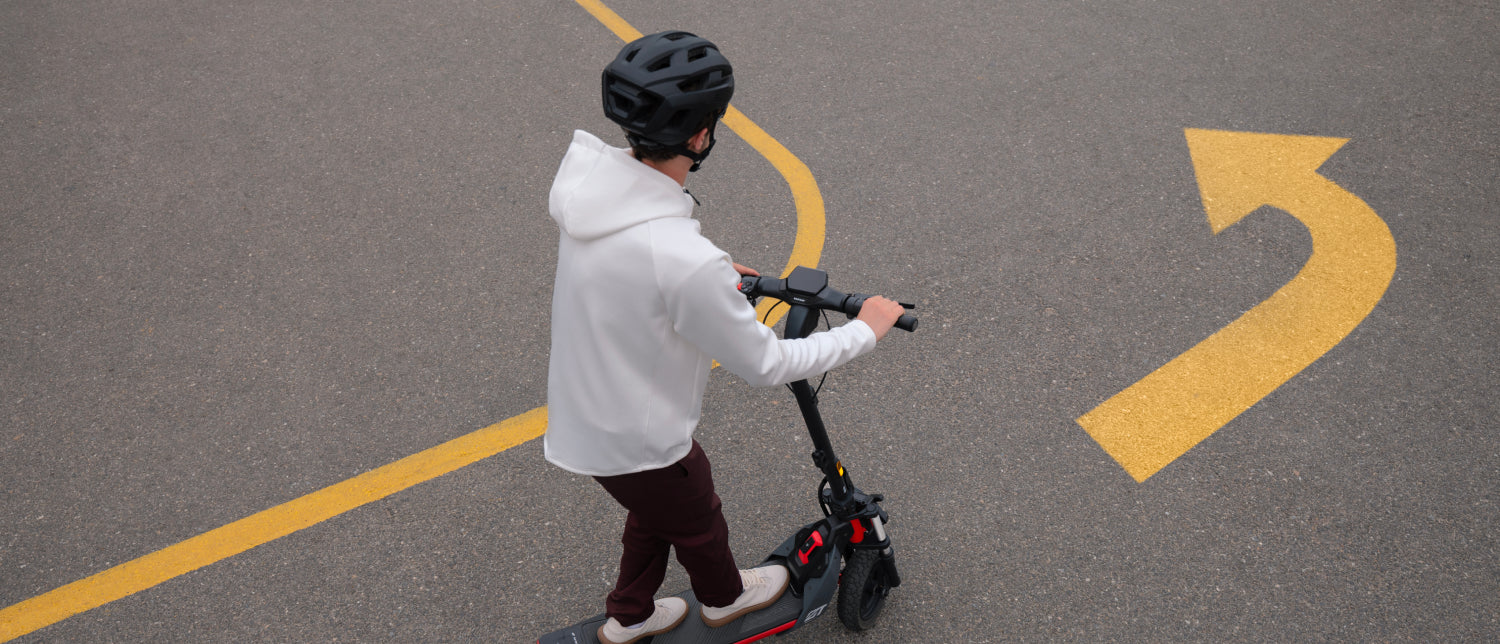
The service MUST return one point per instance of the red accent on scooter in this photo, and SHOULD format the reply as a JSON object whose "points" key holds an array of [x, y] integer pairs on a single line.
{"points": [[859, 532], [779, 629], [816, 539]]}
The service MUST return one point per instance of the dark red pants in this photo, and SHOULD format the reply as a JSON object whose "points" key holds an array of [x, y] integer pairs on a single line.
{"points": [[673, 507]]}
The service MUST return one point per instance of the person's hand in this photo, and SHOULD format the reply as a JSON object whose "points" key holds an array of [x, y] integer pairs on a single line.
{"points": [[745, 270], [881, 314]]}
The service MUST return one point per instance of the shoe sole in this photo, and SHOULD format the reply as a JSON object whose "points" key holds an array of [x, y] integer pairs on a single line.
{"points": [[716, 623], [658, 631]]}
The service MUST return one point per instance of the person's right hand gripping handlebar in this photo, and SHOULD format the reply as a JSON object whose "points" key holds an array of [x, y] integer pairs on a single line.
{"points": [[880, 314]]}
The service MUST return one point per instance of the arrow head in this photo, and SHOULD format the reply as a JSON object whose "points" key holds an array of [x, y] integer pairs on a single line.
{"points": [[1239, 172]]}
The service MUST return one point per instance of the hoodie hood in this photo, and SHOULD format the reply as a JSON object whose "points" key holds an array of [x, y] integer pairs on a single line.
{"points": [[601, 190]]}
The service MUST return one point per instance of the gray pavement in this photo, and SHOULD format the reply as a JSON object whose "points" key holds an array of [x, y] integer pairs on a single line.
{"points": [[249, 250]]}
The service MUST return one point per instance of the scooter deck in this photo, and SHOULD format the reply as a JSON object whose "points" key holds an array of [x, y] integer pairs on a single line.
{"points": [[776, 618]]}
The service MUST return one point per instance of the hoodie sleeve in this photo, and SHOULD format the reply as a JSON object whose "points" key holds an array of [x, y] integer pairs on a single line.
{"points": [[708, 310]]}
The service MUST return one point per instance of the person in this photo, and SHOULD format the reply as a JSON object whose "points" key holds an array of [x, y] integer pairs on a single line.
{"points": [[641, 305]]}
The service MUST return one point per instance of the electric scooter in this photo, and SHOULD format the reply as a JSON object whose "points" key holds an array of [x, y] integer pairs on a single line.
{"points": [[848, 550]]}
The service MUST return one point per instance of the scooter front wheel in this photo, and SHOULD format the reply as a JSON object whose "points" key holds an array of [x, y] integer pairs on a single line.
{"points": [[862, 590]]}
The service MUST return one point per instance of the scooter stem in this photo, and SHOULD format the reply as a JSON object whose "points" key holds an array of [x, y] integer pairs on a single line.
{"points": [[801, 321], [823, 455]]}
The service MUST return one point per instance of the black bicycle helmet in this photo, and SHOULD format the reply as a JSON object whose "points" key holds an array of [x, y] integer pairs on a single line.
{"points": [[662, 88]]}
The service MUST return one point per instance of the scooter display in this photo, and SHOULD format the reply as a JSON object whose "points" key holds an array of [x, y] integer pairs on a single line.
{"points": [[848, 550]]}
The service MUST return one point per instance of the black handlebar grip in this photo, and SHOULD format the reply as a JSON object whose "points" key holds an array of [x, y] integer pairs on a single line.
{"points": [[855, 302]]}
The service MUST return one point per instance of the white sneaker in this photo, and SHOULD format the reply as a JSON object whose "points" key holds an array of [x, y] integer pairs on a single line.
{"points": [[763, 586], [669, 613]]}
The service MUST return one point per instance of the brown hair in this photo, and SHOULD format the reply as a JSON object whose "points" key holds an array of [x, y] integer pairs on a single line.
{"points": [[652, 151]]}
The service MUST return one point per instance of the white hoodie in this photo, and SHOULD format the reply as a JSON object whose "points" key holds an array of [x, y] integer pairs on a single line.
{"points": [[641, 305]]}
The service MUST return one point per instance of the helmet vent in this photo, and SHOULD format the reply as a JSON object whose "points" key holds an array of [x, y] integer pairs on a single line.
{"points": [[631, 56], [696, 53], [659, 64]]}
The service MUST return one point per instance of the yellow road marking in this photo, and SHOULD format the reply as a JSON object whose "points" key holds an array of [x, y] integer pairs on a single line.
{"points": [[1165, 414], [256, 529], [808, 247], [610, 19], [226, 541]]}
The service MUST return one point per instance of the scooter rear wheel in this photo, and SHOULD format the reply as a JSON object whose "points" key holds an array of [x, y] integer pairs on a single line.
{"points": [[862, 590]]}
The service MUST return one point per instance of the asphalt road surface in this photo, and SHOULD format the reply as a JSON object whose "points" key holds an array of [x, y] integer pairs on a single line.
{"points": [[251, 250]]}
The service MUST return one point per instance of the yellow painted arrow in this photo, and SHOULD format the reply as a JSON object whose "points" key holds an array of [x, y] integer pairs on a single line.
{"points": [[1165, 414]]}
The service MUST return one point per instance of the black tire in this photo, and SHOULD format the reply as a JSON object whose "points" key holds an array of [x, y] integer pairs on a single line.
{"points": [[862, 590]]}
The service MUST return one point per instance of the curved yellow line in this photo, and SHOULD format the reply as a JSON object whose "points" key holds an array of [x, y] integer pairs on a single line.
{"points": [[1162, 416], [808, 247], [231, 539]]}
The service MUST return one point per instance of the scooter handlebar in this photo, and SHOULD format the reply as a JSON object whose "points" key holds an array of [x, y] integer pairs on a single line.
{"points": [[856, 301], [809, 287]]}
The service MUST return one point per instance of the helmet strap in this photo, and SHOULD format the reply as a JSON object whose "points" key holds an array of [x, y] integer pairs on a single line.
{"points": [[698, 157]]}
